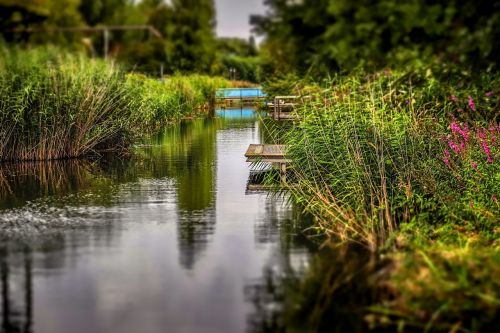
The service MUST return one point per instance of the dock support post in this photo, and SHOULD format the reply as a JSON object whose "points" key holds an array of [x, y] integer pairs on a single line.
{"points": [[276, 101], [283, 173], [106, 43]]}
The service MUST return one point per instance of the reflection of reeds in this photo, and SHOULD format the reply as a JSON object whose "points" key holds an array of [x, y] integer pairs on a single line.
{"points": [[29, 180], [332, 295]]}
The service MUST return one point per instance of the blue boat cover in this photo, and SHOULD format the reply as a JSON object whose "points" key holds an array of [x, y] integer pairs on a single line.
{"points": [[240, 93]]}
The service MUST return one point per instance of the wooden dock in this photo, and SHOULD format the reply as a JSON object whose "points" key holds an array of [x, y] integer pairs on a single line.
{"points": [[266, 153], [269, 153], [284, 107]]}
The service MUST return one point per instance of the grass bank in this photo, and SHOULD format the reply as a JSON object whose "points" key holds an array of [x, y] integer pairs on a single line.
{"points": [[57, 105], [407, 164]]}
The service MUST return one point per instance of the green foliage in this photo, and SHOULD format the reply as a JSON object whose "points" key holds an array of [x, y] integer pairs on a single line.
{"points": [[59, 106], [244, 68], [237, 59], [15, 11], [163, 102], [193, 37], [368, 152], [237, 47], [442, 285], [321, 37], [187, 44], [408, 160]]}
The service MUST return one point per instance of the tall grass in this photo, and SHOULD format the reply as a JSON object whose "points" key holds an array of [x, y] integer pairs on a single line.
{"points": [[366, 152], [56, 105], [409, 161], [177, 97]]}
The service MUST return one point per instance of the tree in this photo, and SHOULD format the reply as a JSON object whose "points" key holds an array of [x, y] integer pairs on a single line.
{"points": [[192, 46], [18, 13], [324, 36]]}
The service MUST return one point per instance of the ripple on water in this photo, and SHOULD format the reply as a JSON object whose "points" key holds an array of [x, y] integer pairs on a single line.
{"points": [[38, 217]]}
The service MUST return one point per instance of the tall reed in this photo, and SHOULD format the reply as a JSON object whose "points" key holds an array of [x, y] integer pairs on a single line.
{"points": [[366, 153], [55, 105], [176, 97]]}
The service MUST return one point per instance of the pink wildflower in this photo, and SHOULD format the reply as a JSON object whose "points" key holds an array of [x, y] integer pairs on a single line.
{"points": [[460, 110], [474, 165], [454, 99], [457, 148], [446, 158], [481, 133], [494, 198], [457, 129], [487, 151], [471, 104], [489, 94]]}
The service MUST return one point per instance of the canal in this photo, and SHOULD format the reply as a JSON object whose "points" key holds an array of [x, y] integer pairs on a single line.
{"points": [[166, 240]]}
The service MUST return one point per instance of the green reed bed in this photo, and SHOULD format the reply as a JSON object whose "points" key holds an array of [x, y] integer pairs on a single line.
{"points": [[175, 97], [59, 106], [56, 105], [408, 164]]}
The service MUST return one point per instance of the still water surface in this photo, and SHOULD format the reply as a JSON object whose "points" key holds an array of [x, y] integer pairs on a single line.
{"points": [[168, 240]]}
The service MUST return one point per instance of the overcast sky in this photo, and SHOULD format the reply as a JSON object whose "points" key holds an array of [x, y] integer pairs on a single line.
{"points": [[233, 16]]}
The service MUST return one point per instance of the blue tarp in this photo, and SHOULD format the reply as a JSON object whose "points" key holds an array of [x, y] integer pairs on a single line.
{"points": [[240, 93], [245, 113]]}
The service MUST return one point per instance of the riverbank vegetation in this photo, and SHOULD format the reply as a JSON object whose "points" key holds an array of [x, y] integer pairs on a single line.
{"points": [[396, 147], [407, 164], [57, 105]]}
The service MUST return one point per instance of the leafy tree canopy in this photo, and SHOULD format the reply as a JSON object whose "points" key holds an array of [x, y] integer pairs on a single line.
{"points": [[322, 36]]}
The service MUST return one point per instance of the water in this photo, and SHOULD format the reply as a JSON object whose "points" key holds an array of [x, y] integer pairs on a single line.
{"points": [[167, 240]]}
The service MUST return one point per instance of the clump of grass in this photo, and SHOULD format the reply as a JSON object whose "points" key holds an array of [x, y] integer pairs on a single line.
{"points": [[353, 150], [164, 102], [57, 105]]}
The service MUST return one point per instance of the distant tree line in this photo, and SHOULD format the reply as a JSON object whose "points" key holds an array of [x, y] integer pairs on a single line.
{"points": [[325, 36], [188, 42]]}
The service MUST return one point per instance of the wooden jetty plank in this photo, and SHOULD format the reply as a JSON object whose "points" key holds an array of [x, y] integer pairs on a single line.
{"points": [[266, 153], [265, 150]]}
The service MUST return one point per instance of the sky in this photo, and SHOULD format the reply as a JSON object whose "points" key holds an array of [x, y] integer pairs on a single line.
{"points": [[233, 16]]}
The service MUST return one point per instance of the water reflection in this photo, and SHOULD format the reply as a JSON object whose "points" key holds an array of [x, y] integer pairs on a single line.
{"points": [[331, 293], [17, 313], [21, 182], [164, 239]]}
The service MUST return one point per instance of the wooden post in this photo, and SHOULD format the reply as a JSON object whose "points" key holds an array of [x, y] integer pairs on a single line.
{"points": [[275, 107], [106, 42], [283, 173]]}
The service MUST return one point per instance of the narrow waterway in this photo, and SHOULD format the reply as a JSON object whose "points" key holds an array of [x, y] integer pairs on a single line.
{"points": [[168, 240]]}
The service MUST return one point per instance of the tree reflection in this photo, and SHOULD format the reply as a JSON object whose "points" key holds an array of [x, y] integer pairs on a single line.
{"points": [[188, 154], [16, 316], [330, 296]]}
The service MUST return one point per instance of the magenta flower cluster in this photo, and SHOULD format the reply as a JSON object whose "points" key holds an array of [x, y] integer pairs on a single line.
{"points": [[470, 101], [463, 141]]}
